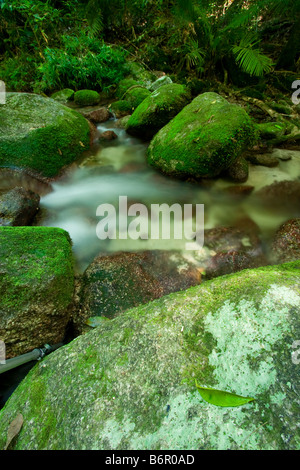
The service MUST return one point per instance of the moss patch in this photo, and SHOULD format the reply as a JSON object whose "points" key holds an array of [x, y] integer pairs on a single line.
{"points": [[40, 135], [157, 110]]}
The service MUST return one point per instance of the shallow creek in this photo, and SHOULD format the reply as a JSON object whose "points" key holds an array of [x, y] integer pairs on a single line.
{"points": [[118, 168]]}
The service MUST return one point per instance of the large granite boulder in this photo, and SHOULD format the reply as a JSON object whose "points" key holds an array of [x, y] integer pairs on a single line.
{"points": [[39, 134], [130, 384], [203, 140]]}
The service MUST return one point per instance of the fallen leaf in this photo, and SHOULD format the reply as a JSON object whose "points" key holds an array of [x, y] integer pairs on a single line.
{"points": [[221, 398], [14, 429], [82, 145]]}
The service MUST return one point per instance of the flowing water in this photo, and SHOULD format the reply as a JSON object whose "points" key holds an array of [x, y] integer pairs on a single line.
{"points": [[111, 169]]}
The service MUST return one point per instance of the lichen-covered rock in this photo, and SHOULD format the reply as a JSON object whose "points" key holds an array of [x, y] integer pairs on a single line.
{"points": [[37, 284], [18, 207], [130, 383], [203, 140], [40, 135], [115, 283], [157, 110], [86, 98], [63, 96]]}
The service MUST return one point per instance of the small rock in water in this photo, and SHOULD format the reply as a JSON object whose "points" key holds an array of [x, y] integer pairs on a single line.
{"points": [[98, 116], [263, 159]]}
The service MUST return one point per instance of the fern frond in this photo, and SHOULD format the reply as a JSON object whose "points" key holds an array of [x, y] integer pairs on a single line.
{"points": [[251, 60]]}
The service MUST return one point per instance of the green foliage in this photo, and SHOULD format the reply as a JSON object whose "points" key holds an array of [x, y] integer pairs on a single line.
{"points": [[82, 62], [249, 57]]}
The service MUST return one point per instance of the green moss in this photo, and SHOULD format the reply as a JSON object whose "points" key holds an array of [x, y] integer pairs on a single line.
{"points": [[123, 86], [136, 96], [157, 110], [86, 98], [271, 130], [122, 106], [204, 139], [37, 278], [40, 135]]}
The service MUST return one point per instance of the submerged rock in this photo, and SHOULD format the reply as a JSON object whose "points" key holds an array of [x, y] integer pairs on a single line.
{"points": [[284, 195], [203, 140], [286, 243], [18, 207], [40, 135], [37, 284], [157, 110], [115, 283], [130, 383]]}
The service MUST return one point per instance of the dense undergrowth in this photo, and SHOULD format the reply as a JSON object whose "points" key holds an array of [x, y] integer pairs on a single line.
{"points": [[48, 45]]}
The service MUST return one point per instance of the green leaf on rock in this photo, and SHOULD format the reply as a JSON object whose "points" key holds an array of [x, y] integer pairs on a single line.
{"points": [[221, 398]]}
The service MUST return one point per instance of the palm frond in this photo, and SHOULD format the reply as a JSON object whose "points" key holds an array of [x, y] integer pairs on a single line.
{"points": [[249, 57]]}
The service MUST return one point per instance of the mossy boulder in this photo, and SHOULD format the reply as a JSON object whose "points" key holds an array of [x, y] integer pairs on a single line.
{"points": [[37, 286], [203, 140], [135, 96], [40, 135], [86, 98], [157, 110], [63, 96], [130, 383], [124, 85], [121, 108]]}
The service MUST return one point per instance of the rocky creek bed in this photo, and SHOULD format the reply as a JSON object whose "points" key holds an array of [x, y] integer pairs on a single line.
{"points": [[143, 319]]}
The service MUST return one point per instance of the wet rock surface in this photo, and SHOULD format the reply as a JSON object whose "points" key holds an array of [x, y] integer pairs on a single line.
{"points": [[115, 283], [286, 243], [18, 207]]}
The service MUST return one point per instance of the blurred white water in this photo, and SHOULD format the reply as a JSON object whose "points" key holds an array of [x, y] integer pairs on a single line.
{"points": [[118, 168]]}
